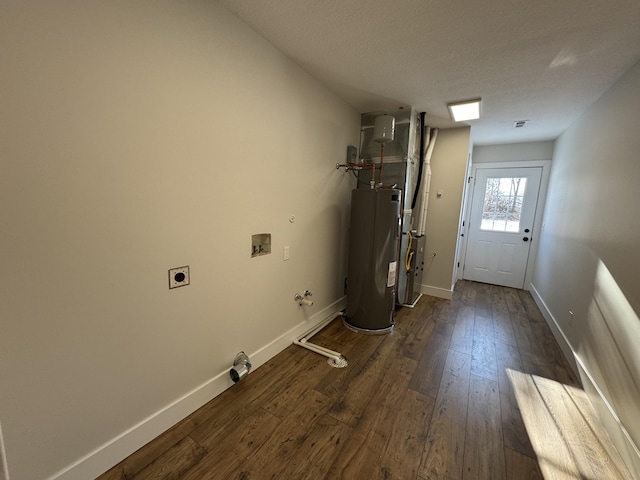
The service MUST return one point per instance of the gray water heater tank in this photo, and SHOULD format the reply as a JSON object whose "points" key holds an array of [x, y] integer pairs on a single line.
{"points": [[373, 259]]}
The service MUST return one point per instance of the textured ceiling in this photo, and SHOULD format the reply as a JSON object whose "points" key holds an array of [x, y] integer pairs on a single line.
{"points": [[544, 61]]}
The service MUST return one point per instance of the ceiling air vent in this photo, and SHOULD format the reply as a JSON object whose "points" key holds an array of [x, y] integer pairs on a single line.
{"points": [[520, 123]]}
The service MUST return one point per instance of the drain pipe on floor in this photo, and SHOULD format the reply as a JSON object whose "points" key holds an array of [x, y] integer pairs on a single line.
{"points": [[335, 358]]}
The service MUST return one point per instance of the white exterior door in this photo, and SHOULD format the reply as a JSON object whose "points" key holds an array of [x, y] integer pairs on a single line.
{"points": [[500, 226]]}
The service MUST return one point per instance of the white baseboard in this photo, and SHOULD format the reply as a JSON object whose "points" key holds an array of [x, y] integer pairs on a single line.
{"points": [[436, 292], [4, 471], [120, 447], [619, 435], [555, 329], [621, 439]]}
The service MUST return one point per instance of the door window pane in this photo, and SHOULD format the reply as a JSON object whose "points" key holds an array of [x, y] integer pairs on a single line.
{"points": [[503, 204]]}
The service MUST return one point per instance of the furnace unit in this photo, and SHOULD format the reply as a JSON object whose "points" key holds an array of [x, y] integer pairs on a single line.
{"points": [[401, 158]]}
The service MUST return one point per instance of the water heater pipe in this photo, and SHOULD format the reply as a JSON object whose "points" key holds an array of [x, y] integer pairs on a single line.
{"points": [[303, 340], [383, 132], [425, 191], [381, 163]]}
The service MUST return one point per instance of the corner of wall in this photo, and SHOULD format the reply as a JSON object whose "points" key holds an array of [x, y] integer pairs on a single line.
{"points": [[449, 166]]}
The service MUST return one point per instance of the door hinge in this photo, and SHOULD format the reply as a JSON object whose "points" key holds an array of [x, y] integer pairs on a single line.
{"points": [[469, 179], [458, 264]]}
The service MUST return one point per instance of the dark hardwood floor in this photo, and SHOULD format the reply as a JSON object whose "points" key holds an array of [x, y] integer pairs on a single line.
{"points": [[471, 388]]}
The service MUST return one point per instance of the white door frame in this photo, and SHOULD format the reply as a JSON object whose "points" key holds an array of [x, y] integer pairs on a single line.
{"points": [[461, 244], [537, 222]]}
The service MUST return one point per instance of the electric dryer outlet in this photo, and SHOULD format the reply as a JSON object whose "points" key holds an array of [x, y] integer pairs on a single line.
{"points": [[179, 277]]}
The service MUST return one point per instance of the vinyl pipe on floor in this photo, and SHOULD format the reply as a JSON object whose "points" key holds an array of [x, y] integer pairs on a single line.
{"points": [[303, 340]]}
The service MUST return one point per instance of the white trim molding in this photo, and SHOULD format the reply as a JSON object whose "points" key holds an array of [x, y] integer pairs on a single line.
{"points": [[4, 470], [436, 292]]}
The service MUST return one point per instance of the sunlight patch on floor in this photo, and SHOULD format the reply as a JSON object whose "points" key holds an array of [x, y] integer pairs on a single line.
{"points": [[564, 431]]}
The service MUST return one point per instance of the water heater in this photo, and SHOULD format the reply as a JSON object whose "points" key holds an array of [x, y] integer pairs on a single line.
{"points": [[373, 259]]}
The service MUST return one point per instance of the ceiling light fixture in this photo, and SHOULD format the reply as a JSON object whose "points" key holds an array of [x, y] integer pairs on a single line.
{"points": [[465, 110]]}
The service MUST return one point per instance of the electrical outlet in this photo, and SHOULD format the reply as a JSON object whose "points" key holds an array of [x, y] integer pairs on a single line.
{"points": [[285, 255], [179, 277]]}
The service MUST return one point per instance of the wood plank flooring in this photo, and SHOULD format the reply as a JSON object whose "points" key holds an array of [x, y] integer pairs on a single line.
{"points": [[471, 388]]}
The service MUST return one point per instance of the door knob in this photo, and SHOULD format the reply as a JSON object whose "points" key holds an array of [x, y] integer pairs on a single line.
{"points": [[526, 239]]}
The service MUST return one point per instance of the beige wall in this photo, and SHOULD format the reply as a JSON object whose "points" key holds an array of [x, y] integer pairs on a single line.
{"points": [[137, 137], [588, 260], [513, 152], [448, 164]]}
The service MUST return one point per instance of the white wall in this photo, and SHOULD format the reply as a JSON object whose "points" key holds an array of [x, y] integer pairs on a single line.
{"points": [[448, 165], [136, 137], [588, 259]]}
